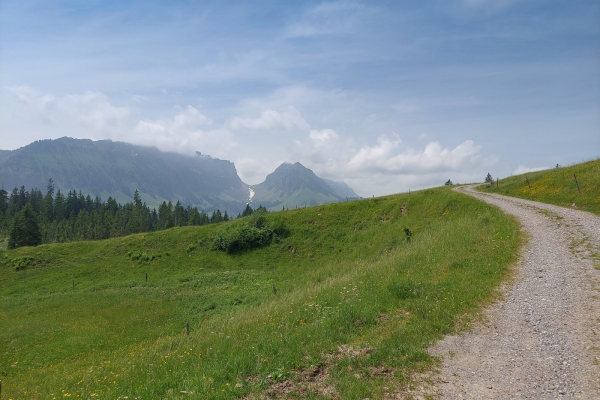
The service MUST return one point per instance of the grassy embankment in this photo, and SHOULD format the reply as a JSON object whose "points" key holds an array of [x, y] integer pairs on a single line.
{"points": [[355, 309], [557, 186]]}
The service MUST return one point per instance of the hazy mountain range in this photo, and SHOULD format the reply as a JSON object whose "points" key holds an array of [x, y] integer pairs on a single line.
{"points": [[105, 168]]}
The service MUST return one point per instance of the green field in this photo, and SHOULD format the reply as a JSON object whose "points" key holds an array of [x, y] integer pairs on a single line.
{"points": [[345, 306], [557, 186]]}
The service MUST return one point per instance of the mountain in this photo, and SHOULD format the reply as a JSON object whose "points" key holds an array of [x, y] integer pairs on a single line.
{"points": [[105, 168], [341, 189], [292, 185]]}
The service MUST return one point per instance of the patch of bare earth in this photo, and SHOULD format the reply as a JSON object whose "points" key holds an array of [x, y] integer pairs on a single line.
{"points": [[314, 380]]}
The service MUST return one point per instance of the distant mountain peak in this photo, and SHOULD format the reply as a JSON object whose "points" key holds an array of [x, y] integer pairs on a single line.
{"points": [[292, 185]]}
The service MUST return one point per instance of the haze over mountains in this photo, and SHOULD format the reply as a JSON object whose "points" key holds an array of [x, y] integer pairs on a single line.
{"points": [[105, 168]]}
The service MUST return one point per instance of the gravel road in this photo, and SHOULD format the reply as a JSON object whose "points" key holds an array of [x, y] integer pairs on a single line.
{"points": [[542, 341]]}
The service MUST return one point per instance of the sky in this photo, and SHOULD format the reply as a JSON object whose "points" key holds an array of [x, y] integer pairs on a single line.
{"points": [[386, 96]]}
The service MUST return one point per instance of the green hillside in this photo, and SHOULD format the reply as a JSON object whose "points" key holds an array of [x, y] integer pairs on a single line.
{"points": [[343, 306], [556, 186]]}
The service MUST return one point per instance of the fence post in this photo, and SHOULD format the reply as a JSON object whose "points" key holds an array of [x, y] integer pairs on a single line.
{"points": [[577, 183], [527, 179], [187, 329]]}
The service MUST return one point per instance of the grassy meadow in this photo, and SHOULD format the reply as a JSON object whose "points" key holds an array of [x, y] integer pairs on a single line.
{"points": [[345, 306], [557, 186]]}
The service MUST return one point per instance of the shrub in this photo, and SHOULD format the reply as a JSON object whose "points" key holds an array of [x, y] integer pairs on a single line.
{"points": [[256, 232], [141, 257], [21, 263], [242, 238]]}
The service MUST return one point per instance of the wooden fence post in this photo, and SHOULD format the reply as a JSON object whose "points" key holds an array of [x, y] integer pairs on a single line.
{"points": [[527, 179], [577, 183]]}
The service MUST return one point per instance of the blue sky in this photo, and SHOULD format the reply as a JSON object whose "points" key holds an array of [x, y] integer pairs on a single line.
{"points": [[383, 95]]}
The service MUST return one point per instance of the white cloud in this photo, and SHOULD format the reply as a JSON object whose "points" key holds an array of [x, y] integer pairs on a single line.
{"points": [[324, 150], [89, 109], [406, 107], [522, 169], [327, 18], [184, 133], [271, 120], [253, 171], [389, 166], [388, 156]]}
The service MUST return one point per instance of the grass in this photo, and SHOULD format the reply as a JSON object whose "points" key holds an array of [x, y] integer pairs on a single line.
{"points": [[557, 186], [356, 304]]}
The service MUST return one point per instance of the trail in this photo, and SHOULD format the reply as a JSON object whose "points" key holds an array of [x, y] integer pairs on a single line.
{"points": [[542, 341]]}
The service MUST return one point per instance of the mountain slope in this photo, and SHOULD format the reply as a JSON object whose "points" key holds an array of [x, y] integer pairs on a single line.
{"points": [[341, 189], [105, 168], [292, 185]]}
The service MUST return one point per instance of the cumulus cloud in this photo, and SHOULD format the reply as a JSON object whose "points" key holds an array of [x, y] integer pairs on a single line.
{"points": [[388, 156], [324, 150], [522, 169], [89, 109], [253, 171], [388, 165], [272, 120], [184, 133]]}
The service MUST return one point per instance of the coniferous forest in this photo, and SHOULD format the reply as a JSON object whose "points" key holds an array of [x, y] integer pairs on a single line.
{"points": [[32, 218]]}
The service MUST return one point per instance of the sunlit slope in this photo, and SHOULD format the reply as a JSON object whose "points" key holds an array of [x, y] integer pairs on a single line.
{"points": [[557, 186], [344, 295]]}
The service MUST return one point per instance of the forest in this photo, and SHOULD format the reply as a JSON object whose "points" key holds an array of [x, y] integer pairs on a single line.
{"points": [[32, 218]]}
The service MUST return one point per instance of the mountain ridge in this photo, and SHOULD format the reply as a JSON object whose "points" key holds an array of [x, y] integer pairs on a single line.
{"points": [[105, 168]]}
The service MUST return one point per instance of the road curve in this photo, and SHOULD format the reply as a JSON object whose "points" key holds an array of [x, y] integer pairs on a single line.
{"points": [[542, 341]]}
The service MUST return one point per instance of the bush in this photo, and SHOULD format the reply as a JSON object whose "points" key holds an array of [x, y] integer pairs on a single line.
{"points": [[242, 238], [141, 257], [21, 263], [256, 232]]}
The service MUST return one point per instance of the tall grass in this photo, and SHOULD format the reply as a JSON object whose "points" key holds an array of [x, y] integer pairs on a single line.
{"points": [[342, 307], [557, 186]]}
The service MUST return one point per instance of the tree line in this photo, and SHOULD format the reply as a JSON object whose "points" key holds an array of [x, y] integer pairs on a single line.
{"points": [[54, 217]]}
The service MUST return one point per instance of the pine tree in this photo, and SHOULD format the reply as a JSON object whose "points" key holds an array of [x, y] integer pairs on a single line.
{"points": [[194, 217], [247, 211], [25, 230], [3, 208]]}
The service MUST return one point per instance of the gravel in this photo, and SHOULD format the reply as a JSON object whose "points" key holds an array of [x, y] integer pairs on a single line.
{"points": [[542, 341]]}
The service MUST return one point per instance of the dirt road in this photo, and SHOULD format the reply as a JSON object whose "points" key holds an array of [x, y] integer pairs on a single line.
{"points": [[543, 340]]}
